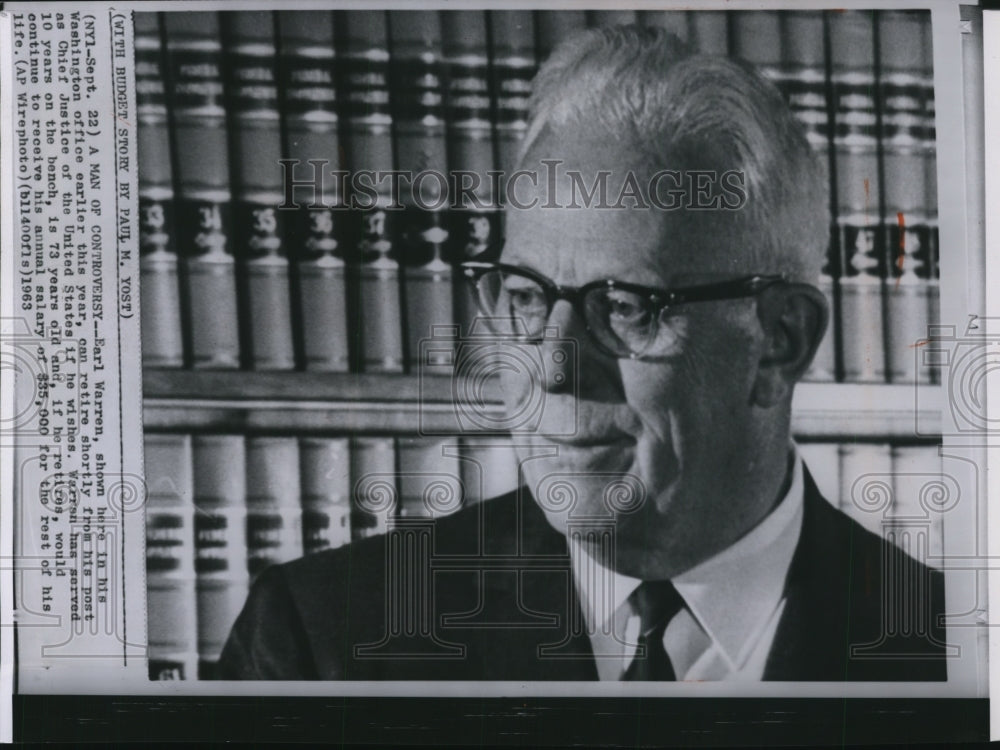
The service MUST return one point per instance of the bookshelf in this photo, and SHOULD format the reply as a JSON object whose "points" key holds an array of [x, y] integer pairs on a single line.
{"points": [[372, 403]]}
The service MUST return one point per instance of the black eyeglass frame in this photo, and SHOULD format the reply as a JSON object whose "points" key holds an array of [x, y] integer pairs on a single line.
{"points": [[746, 286]]}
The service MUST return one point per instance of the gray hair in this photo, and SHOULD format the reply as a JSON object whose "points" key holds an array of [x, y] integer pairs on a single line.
{"points": [[646, 85]]}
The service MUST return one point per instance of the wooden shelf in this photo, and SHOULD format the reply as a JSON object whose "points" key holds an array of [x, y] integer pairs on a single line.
{"points": [[342, 403], [311, 403], [842, 410]]}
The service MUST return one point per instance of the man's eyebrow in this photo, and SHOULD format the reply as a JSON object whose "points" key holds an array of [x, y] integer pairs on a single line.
{"points": [[638, 274], [645, 274]]}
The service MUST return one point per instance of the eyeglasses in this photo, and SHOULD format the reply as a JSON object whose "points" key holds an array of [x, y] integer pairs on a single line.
{"points": [[625, 320]]}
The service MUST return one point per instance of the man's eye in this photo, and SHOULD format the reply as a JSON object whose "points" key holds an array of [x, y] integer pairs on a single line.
{"points": [[525, 299], [627, 310]]}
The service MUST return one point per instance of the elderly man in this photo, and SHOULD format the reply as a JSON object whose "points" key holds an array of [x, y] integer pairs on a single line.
{"points": [[666, 528]]}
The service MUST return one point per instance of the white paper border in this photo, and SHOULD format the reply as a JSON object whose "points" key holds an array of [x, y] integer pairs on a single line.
{"points": [[8, 661], [951, 181], [991, 166]]}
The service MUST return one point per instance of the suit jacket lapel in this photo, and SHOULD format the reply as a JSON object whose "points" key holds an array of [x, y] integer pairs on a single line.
{"points": [[545, 639], [515, 597], [808, 644]]}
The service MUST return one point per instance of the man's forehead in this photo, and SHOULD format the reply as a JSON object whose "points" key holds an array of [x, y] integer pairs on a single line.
{"points": [[593, 222], [575, 247]]}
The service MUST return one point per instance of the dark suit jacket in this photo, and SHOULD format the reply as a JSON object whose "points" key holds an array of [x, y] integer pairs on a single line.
{"points": [[488, 594]]}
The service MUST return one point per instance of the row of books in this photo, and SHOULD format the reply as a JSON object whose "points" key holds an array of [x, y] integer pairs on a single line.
{"points": [[868, 110], [229, 280], [221, 508]]}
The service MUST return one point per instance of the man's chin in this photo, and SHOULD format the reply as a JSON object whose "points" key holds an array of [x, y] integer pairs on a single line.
{"points": [[593, 510], [575, 481]]}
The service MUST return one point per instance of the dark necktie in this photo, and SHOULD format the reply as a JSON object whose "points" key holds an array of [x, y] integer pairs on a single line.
{"points": [[656, 603]]}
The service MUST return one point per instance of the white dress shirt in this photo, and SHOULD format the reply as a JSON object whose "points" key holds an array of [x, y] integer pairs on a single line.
{"points": [[733, 601]]}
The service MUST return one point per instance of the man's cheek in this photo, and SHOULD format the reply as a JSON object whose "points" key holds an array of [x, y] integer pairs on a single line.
{"points": [[656, 463], [515, 389], [652, 393]]}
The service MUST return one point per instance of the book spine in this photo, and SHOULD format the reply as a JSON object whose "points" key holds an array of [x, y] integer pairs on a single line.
{"points": [[553, 26], [675, 21], [220, 541], [598, 18], [512, 46], [430, 485], [709, 31], [805, 86], [928, 139], [364, 81], [373, 485], [823, 462], [202, 203], [162, 337], [274, 502], [860, 236], [866, 484], [309, 108], [906, 216], [255, 140], [756, 38], [416, 75], [920, 497], [172, 627], [475, 217], [326, 493]]}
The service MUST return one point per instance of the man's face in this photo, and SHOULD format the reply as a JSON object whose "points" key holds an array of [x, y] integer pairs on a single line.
{"points": [[682, 426]]}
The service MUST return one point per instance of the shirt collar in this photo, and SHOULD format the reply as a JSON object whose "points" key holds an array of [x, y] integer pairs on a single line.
{"points": [[733, 594]]}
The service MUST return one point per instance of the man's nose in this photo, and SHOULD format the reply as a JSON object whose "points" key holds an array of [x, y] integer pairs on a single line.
{"points": [[565, 349]]}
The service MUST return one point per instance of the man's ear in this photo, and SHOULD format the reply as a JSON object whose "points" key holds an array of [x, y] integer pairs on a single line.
{"points": [[793, 318]]}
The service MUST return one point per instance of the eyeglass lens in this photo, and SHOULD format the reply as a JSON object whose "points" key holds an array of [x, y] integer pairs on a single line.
{"points": [[623, 321]]}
